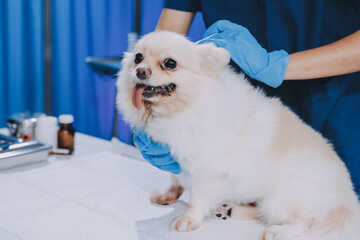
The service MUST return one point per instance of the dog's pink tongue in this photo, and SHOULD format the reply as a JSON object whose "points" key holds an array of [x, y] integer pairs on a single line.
{"points": [[137, 96]]}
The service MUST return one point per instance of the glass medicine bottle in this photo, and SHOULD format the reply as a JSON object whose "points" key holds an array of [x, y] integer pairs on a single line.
{"points": [[66, 133]]}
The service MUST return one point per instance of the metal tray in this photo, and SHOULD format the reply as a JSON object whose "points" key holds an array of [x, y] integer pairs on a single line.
{"points": [[15, 152]]}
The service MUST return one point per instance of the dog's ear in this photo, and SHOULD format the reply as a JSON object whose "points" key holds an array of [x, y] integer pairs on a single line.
{"points": [[213, 55]]}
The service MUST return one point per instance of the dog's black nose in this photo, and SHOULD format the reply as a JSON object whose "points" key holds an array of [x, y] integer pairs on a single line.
{"points": [[143, 73]]}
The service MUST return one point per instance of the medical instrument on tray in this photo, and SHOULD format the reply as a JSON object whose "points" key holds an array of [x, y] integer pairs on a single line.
{"points": [[23, 124]]}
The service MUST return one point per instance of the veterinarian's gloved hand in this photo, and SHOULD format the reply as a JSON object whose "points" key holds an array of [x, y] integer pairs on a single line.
{"points": [[246, 52], [156, 154]]}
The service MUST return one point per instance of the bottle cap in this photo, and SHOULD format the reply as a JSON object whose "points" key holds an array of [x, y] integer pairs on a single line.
{"points": [[47, 121], [66, 118]]}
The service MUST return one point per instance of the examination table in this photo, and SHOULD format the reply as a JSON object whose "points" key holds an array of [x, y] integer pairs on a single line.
{"points": [[102, 192]]}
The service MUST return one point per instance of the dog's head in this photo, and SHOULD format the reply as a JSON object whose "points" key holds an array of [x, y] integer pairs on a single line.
{"points": [[164, 74]]}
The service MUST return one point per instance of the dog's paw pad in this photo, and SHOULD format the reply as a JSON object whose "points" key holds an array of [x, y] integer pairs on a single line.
{"points": [[223, 212], [184, 224], [163, 198]]}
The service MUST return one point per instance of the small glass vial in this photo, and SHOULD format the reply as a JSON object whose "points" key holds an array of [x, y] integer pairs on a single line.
{"points": [[66, 133]]}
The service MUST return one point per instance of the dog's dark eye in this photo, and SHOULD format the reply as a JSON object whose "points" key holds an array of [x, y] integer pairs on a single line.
{"points": [[170, 63], [138, 58]]}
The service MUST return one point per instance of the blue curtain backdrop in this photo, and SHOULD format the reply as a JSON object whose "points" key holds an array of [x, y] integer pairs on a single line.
{"points": [[21, 57], [84, 28], [80, 28]]}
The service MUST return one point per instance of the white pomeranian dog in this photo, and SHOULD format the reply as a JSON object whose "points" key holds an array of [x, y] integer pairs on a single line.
{"points": [[234, 144]]}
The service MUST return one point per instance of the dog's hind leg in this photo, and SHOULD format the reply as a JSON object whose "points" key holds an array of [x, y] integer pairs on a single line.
{"points": [[169, 196]]}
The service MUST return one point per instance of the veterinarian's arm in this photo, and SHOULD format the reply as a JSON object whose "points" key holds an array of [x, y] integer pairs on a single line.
{"points": [[174, 20], [337, 58], [247, 53]]}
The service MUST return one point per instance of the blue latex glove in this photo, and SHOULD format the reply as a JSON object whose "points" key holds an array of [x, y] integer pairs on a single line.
{"points": [[156, 154], [246, 52]]}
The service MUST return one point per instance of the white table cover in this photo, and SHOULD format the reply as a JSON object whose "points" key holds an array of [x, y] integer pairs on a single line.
{"points": [[100, 193]]}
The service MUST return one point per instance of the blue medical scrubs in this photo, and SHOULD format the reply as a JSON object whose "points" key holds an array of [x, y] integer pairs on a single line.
{"points": [[330, 105]]}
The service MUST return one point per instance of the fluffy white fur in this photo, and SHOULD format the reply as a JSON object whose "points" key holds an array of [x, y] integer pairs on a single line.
{"points": [[235, 144]]}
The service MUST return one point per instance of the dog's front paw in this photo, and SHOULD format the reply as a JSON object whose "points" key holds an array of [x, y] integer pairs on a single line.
{"points": [[168, 197], [184, 224], [268, 235], [272, 233], [163, 198], [284, 232]]}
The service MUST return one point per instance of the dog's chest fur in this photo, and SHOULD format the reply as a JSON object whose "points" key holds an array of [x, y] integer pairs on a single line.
{"points": [[216, 138]]}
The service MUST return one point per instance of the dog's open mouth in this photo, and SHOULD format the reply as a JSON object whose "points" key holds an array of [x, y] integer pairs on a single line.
{"points": [[142, 91]]}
